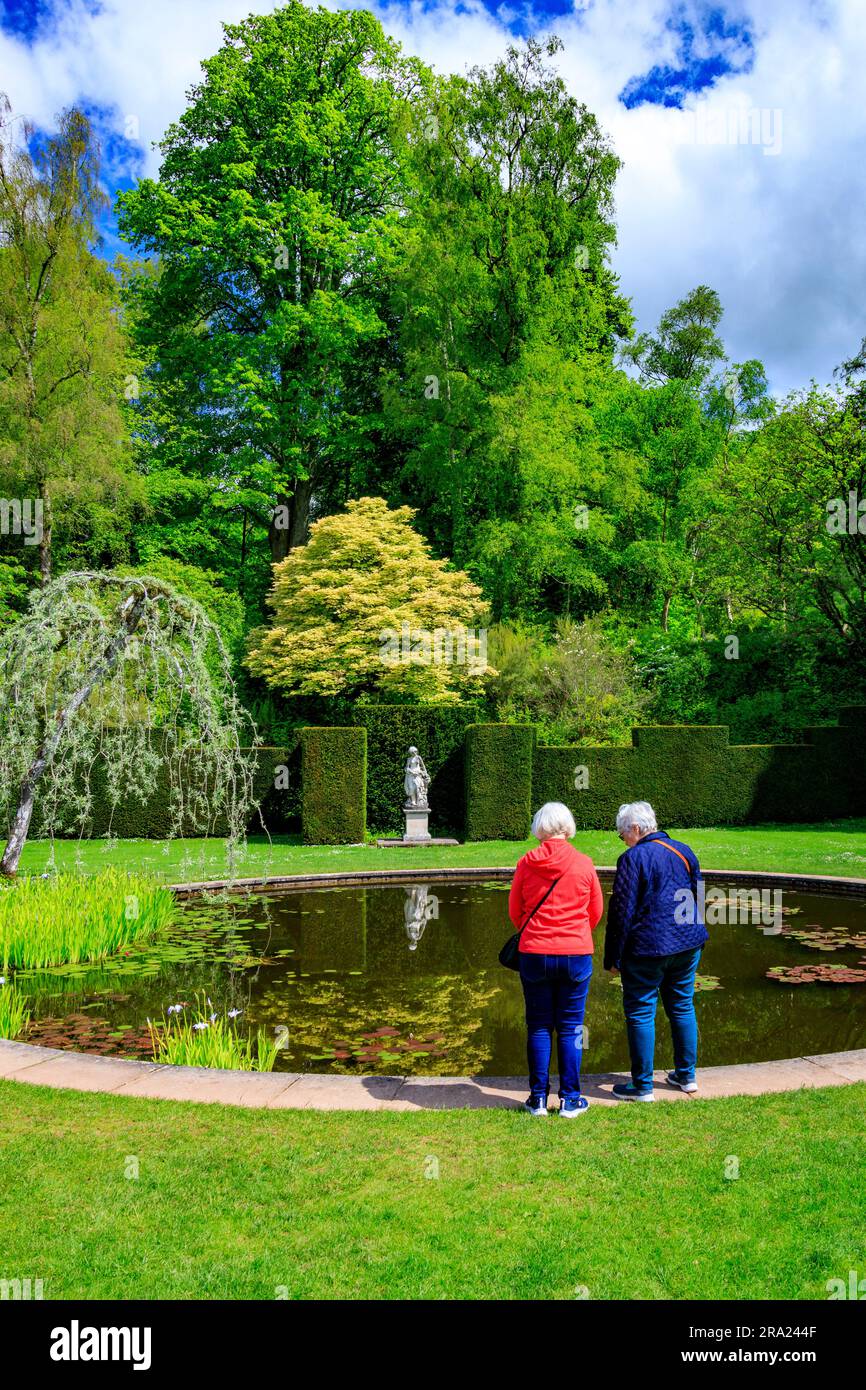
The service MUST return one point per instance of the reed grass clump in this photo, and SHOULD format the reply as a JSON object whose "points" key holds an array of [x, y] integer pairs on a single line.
{"points": [[69, 919], [14, 1015], [204, 1038]]}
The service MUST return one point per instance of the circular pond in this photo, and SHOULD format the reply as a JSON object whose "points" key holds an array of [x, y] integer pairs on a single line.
{"points": [[406, 980]]}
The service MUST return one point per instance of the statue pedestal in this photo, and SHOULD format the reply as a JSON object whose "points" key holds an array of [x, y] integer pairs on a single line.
{"points": [[415, 818]]}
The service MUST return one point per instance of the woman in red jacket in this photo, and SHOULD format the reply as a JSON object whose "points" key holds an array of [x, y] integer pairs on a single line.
{"points": [[556, 893]]}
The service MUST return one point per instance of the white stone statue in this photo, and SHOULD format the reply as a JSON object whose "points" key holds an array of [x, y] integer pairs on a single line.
{"points": [[416, 780]]}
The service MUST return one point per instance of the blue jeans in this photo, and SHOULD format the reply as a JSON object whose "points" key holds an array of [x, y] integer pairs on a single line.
{"points": [[643, 979], [555, 990]]}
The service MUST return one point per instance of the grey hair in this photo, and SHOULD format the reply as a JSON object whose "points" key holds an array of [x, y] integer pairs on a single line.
{"points": [[638, 813], [553, 818]]}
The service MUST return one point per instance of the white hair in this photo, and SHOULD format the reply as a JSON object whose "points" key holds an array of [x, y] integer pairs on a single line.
{"points": [[553, 818], [638, 813]]}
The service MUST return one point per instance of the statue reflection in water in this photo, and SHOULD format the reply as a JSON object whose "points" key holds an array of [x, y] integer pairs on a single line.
{"points": [[419, 908]]}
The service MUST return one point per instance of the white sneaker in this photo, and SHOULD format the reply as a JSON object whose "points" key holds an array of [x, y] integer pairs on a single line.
{"points": [[535, 1107], [688, 1086]]}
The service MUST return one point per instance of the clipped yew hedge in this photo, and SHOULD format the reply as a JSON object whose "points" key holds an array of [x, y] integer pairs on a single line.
{"points": [[693, 776], [438, 732], [334, 781], [499, 761], [487, 779], [151, 819]]}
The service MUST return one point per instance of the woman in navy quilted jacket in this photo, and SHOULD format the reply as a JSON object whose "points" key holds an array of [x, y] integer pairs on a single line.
{"points": [[653, 940]]}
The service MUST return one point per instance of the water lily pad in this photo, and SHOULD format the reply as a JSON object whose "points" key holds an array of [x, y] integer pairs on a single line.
{"points": [[817, 974], [825, 939]]}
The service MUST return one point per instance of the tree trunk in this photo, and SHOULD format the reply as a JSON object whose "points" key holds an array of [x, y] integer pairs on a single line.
{"points": [[278, 535], [45, 540], [293, 515], [130, 616], [21, 823], [300, 527]]}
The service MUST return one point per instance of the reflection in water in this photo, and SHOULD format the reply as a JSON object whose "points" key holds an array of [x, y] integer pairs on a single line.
{"points": [[420, 907], [404, 980]]}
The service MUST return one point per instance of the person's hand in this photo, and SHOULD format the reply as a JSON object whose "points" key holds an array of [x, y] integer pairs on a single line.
{"points": [[612, 970]]}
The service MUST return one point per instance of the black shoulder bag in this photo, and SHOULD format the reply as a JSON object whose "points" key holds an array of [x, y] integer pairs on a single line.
{"points": [[509, 956]]}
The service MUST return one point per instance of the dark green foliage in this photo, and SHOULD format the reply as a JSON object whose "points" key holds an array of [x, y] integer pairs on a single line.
{"points": [[334, 777], [133, 819], [780, 683], [437, 731], [499, 761], [282, 801], [693, 776], [491, 777]]}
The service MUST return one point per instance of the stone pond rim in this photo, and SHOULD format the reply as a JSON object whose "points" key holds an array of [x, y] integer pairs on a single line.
{"points": [[755, 878], [68, 1070]]}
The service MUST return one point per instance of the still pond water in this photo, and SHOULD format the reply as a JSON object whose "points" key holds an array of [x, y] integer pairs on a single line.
{"points": [[406, 980]]}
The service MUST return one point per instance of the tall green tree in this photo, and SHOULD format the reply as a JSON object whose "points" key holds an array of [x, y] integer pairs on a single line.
{"points": [[65, 364], [677, 421], [685, 345], [790, 536], [273, 221], [503, 299], [665, 433]]}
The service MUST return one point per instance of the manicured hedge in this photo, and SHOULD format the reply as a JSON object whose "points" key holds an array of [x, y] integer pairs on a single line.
{"points": [[488, 778], [438, 732], [151, 819], [334, 780], [693, 776], [499, 781]]}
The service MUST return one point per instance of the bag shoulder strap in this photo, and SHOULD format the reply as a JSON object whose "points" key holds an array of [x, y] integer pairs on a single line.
{"points": [[538, 905], [678, 852], [693, 873]]}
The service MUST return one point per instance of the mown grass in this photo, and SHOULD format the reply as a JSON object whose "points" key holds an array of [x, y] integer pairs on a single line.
{"points": [[71, 918], [630, 1203], [834, 847]]}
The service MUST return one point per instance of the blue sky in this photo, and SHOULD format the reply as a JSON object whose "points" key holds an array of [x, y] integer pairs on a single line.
{"points": [[710, 45], [739, 124], [26, 17]]}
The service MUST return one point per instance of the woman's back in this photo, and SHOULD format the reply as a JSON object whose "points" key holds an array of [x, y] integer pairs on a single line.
{"points": [[564, 923]]}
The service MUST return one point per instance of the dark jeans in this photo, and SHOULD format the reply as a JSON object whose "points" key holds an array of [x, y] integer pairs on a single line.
{"points": [[555, 990], [643, 979]]}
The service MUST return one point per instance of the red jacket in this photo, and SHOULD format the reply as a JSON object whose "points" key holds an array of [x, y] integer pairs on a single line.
{"points": [[563, 925]]}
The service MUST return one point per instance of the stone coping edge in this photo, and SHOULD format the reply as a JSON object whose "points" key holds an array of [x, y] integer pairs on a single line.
{"points": [[757, 878], [68, 1070], [75, 1071]]}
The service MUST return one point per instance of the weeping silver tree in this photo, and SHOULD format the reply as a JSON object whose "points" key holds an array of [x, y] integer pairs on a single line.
{"points": [[128, 673]]}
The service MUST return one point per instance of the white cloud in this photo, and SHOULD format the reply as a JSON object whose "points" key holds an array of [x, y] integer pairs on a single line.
{"points": [[780, 236]]}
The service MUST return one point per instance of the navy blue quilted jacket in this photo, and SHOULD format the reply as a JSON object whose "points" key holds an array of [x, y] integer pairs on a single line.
{"points": [[648, 913]]}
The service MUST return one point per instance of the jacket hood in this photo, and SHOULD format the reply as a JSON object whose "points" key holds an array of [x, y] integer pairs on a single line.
{"points": [[551, 858]]}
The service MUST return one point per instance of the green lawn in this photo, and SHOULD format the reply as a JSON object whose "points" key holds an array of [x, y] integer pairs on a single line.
{"points": [[837, 847], [629, 1203]]}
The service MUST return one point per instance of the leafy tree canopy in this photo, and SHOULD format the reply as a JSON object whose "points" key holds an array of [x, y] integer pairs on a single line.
{"points": [[273, 220], [365, 608], [66, 367]]}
